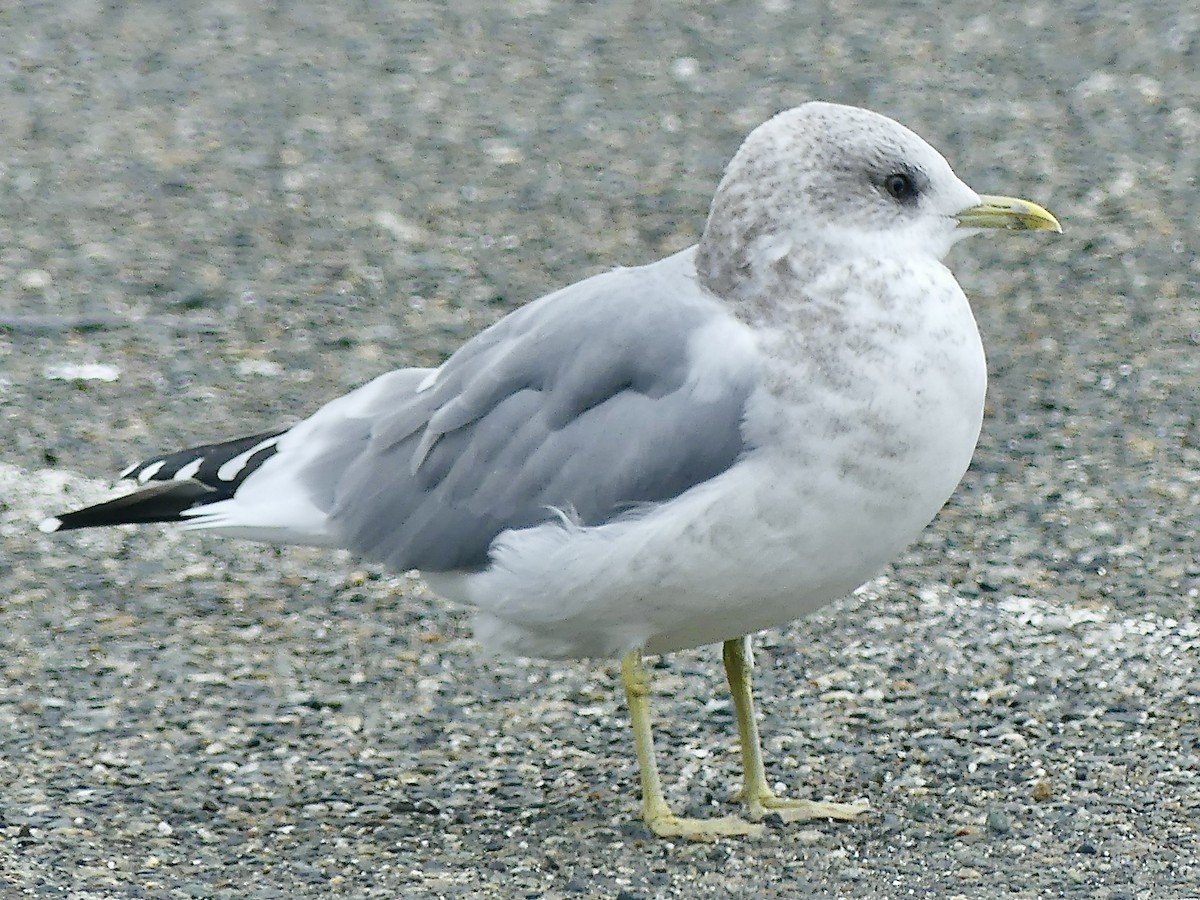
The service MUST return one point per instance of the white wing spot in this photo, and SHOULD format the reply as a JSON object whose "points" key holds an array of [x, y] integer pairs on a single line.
{"points": [[147, 473], [49, 526], [230, 468], [189, 470], [428, 381]]}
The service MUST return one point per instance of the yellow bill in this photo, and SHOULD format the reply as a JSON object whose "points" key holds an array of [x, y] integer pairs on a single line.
{"points": [[1010, 213]]}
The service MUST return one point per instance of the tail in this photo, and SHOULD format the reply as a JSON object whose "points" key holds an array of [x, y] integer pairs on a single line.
{"points": [[176, 484], [276, 486]]}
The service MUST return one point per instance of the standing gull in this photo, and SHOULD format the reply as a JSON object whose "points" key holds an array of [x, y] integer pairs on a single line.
{"points": [[666, 456]]}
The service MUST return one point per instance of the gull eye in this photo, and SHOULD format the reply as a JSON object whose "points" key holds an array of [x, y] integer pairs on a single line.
{"points": [[900, 187]]}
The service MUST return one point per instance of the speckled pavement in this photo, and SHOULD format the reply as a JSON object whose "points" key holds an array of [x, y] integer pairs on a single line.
{"points": [[214, 216]]}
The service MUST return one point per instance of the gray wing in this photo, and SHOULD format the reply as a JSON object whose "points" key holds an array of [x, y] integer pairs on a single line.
{"points": [[589, 401]]}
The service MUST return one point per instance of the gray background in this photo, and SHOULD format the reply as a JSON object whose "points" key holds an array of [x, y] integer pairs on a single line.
{"points": [[250, 208]]}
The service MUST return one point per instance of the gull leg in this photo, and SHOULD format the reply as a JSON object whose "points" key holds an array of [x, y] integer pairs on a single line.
{"points": [[657, 814], [760, 800]]}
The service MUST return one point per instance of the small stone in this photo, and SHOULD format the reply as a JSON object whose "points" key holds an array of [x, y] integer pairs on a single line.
{"points": [[35, 279], [82, 372], [685, 67], [263, 368], [1042, 791], [920, 811], [1014, 740], [998, 821]]}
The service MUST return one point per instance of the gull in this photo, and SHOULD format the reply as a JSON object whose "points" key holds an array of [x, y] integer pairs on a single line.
{"points": [[667, 456]]}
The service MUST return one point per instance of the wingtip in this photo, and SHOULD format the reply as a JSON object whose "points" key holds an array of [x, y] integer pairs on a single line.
{"points": [[50, 525]]}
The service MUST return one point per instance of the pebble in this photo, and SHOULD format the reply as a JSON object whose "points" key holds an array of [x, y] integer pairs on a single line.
{"points": [[998, 821]]}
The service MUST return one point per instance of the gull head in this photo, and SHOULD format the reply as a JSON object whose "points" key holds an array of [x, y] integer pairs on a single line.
{"points": [[824, 181]]}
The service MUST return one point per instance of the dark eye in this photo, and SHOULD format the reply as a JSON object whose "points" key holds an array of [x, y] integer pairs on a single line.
{"points": [[900, 186]]}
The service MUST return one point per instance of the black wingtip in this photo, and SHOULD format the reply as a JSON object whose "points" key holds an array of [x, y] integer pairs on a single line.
{"points": [[174, 483], [162, 502]]}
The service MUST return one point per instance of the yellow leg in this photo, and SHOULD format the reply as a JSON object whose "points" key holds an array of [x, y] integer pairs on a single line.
{"points": [[655, 811], [760, 800]]}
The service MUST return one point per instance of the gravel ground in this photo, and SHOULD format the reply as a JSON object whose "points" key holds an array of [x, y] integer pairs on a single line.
{"points": [[214, 215]]}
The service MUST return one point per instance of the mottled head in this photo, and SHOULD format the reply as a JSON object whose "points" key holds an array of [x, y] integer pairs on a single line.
{"points": [[823, 180]]}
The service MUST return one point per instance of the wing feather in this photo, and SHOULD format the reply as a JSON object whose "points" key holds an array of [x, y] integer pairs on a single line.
{"points": [[595, 399]]}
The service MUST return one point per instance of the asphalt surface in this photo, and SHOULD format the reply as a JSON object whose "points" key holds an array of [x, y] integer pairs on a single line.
{"points": [[213, 216]]}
